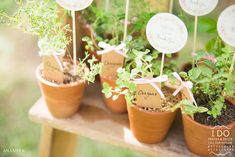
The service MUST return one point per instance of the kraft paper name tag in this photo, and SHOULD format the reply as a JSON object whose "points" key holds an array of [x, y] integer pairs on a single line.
{"points": [[226, 25], [198, 7], [147, 96], [111, 62], [166, 33], [74, 5], [52, 70]]}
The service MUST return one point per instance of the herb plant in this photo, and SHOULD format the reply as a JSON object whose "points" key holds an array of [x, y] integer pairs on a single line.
{"points": [[90, 75], [108, 24], [187, 107], [40, 18], [140, 63], [212, 81]]}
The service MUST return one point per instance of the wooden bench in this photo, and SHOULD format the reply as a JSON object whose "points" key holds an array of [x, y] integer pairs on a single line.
{"points": [[93, 120]]}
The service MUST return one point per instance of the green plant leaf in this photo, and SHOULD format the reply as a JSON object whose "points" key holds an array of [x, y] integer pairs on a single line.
{"points": [[194, 73]]}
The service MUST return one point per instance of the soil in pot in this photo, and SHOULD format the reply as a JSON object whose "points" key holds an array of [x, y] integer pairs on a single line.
{"points": [[116, 106], [227, 116], [151, 125], [63, 100], [206, 136]]}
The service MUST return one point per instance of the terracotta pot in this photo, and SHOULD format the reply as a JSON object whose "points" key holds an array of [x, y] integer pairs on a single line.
{"points": [[186, 67], [231, 100], [62, 100], [149, 127], [197, 136], [117, 106]]}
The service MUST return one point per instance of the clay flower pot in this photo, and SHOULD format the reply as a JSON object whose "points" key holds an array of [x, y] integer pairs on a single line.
{"points": [[117, 106], [198, 136], [62, 100], [231, 99], [149, 127], [186, 66]]}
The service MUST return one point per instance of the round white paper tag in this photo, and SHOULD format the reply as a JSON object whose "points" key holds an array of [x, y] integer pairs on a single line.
{"points": [[166, 33], [198, 7], [226, 25], [74, 5]]}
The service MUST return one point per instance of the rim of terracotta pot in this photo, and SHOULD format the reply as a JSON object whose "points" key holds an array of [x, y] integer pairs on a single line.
{"points": [[41, 79], [203, 125], [137, 107]]}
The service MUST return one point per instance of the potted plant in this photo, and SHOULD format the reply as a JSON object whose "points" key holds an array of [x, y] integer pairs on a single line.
{"points": [[148, 124], [211, 114], [62, 83], [106, 32]]}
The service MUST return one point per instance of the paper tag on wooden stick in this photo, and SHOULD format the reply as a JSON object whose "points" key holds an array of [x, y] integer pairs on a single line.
{"points": [[198, 7], [112, 59], [226, 25], [52, 70], [166, 33], [147, 96], [111, 62], [74, 5], [149, 92]]}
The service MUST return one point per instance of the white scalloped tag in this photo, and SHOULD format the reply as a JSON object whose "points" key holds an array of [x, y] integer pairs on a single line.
{"points": [[198, 7], [74, 5], [226, 25], [166, 33]]}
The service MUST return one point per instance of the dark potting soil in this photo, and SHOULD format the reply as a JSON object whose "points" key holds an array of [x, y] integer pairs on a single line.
{"points": [[167, 103], [227, 116], [69, 77]]}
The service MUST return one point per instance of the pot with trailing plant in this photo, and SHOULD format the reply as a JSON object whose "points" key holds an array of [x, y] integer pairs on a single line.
{"points": [[209, 120], [62, 83], [149, 105]]}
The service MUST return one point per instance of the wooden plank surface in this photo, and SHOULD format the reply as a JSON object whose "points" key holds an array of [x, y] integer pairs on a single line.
{"points": [[93, 120]]}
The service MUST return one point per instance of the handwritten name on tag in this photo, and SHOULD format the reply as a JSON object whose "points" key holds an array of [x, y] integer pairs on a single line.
{"points": [[111, 62], [198, 7], [74, 5], [147, 96], [166, 33], [226, 25], [52, 70]]}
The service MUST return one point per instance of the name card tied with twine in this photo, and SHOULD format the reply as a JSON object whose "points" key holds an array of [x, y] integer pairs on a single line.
{"points": [[112, 59], [185, 88], [149, 93], [52, 63]]}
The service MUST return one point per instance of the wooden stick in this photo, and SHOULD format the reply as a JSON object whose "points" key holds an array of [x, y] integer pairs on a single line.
{"points": [[232, 65], [106, 5], [162, 64], [74, 41], [126, 20], [171, 6], [195, 37]]}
